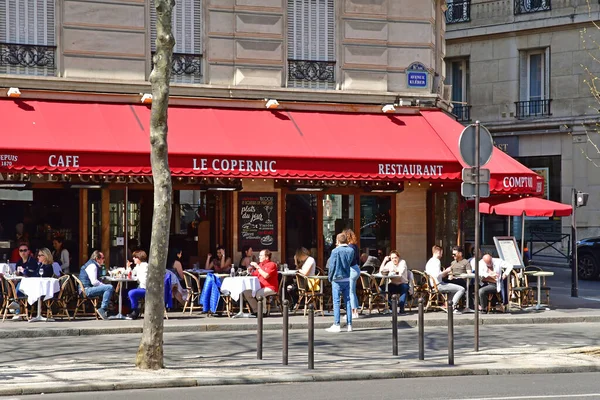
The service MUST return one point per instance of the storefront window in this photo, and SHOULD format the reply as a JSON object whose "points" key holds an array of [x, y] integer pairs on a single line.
{"points": [[338, 214], [300, 225], [445, 206], [375, 224]]}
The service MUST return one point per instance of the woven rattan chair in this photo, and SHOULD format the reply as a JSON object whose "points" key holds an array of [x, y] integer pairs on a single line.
{"points": [[9, 293], [61, 300], [84, 302], [192, 285]]}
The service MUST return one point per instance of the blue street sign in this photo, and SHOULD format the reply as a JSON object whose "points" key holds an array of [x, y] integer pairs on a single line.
{"points": [[417, 79]]}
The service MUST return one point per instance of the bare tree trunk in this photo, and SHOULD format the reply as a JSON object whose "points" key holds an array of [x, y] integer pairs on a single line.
{"points": [[150, 352]]}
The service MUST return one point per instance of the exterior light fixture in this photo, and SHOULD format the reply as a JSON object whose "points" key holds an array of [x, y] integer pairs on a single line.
{"points": [[271, 103], [13, 92], [146, 98], [388, 108]]}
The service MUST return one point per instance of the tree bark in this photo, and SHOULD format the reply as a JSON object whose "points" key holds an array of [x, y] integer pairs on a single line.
{"points": [[150, 352]]}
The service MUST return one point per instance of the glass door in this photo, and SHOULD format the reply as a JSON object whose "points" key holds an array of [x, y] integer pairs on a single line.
{"points": [[338, 214], [300, 225], [375, 224]]}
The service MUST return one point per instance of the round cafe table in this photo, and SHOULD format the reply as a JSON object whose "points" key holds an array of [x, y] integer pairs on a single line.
{"points": [[467, 276], [236, 286], [538, 275], [36, 289], [120, 280]]}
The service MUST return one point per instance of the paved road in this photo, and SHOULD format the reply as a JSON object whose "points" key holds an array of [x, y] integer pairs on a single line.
{"points": [[551, 387], [212, 348], [561, 284]]}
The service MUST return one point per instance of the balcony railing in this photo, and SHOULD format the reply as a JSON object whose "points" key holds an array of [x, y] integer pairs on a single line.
{"points": [[531, 6], [22, 58], [458, 12], [307, 73], [533, 108], [185, 68], [462, 112]]}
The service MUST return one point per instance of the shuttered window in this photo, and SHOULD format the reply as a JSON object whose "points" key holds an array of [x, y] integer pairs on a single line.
{"points": [[27, 37], [187, 29], [311, 43], [534, 83]]}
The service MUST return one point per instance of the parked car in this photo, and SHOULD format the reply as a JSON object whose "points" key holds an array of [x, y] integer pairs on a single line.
{"points": [[588, 257]]}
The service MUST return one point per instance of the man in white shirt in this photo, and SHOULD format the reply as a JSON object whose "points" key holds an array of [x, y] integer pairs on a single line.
{"points": [[492, 273], [433, 268]]}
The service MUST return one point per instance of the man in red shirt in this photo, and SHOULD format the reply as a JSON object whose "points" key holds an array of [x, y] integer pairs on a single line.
{"points": [[266, 271]]}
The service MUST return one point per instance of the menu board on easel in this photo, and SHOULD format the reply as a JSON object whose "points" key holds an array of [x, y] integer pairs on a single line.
{"points": [[508, 250], [257, 221]]}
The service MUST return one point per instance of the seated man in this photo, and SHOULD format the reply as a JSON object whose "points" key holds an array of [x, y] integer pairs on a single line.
{"points": [[27, 264], [493, 279], [92, 286], [266, 271], [458, 267], [434, 269]]}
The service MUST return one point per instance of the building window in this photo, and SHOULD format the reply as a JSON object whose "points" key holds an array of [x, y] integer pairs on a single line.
{"points": [[534, 84], [457, 75], [187, 29], [311, 44], [27, 38], [458, 11], [531, 6]]}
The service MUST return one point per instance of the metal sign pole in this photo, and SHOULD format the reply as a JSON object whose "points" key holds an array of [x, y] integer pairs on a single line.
{"points": [[574, 258], [477, 238]]}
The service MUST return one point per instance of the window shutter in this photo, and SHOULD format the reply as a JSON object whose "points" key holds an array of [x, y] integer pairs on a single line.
{"points": [[523, 76], [27, 22], [187, 30], [546, 73], [311, 35]]}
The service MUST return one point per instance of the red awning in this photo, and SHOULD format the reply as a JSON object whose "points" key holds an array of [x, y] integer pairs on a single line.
{"points": [[507, 174], [68, 137]]}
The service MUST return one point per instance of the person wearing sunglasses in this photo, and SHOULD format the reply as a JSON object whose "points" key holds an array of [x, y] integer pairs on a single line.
{"points": [[27, 264], [45, 260], [93, 287]]}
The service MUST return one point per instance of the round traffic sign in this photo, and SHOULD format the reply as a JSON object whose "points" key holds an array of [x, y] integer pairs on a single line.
{"points": [[466, 145]]}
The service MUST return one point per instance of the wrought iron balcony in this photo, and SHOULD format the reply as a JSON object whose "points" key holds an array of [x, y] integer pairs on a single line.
{"points": [[27, 56], [532, 108], [185, 65], [311, 71], [531, 6], [458, 12], [462, 112]]}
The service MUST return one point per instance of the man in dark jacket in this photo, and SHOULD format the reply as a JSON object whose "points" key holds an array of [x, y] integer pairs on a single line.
{"points": [[27, 265]]}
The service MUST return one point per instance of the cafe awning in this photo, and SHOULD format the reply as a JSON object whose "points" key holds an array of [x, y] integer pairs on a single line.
{"points": [[107, 138]]}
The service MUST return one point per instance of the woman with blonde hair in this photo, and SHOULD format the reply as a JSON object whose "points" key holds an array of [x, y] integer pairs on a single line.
{"points": [[45, 261], [354, 270]]}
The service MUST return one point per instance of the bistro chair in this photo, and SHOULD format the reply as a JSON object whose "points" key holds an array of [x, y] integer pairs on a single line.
{"points": [[61, 300], [497, 296], [372, 293], [520, 290], [9, 294], [83, 300], [544, 288], [192, 285], [307, 292], [436, 299], [420, 283]]}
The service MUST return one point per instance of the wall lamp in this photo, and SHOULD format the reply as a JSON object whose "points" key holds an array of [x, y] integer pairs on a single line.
{"points": [[146, 98], [13, 92], [388, 108], [308, 189], [271, 103]]}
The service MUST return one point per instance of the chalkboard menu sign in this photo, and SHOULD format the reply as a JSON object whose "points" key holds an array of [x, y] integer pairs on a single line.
{"points": [[257, 221]]}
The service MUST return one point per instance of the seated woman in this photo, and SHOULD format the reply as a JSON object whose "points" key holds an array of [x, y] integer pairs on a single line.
{"points": [[61, 255], [393, 265], [174, 262], [220, 264], [307, 266], [140, 272], [247, 258], [45, 260]]}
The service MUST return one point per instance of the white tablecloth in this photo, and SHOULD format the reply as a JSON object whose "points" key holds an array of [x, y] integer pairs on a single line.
{"points": [[8, 268], [34, 288], [239, 284]]}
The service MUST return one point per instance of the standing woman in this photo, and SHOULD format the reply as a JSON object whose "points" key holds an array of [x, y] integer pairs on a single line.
{"points": [[354, 270], [61, 255]]}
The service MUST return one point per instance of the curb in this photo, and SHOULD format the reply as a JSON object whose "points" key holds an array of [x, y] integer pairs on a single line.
{"points": [[295, 378], [380, 323]]}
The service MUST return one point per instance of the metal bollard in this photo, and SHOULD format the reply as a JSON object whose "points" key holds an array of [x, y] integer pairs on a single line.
{"points": [[286, 321], [450, 333], [311, 337], [395, 325], [421, 330], [259, 329]]}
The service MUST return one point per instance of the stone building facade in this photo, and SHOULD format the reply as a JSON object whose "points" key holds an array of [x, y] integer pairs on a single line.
{"points": [[521, 68]]}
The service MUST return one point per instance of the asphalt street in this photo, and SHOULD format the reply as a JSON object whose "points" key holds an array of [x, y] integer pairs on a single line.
{"points": [[511, 387], [218, 348]]}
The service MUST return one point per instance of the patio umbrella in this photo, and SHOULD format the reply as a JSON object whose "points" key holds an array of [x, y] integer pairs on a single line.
{"points": [[526, 206]]}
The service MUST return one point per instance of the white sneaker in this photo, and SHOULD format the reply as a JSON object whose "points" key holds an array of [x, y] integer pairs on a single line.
{"points": [[456, 311], [349, 328], [355, 315], [334, 329], [16, 317]]}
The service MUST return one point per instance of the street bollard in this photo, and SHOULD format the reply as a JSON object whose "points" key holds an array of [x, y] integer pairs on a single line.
{"points": [[259, 328], [450, 333], [286, 321], [421, 330], [311, 337], [395, 325]]}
